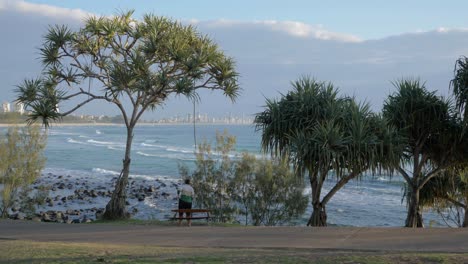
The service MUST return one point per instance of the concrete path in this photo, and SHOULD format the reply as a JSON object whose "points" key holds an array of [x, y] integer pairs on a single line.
{"points": [[334, 238]]}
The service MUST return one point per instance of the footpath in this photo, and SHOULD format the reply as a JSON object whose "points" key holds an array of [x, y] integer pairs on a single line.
{"points": [[450, 240]]}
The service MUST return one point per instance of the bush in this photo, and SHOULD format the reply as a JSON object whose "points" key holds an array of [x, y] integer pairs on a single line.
{"points": [[261, 192], [21, 162]]}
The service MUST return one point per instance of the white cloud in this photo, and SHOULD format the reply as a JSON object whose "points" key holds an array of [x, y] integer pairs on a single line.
{"points": [[292, 28], [44, 10], [300, 29]]}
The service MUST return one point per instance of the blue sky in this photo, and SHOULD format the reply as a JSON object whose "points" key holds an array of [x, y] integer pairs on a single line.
{"points": [[359, 46], [366, 19]]}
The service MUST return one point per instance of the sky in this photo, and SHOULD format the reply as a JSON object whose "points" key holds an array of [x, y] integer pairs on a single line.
{"points": [[367, 19], [359, 46]]}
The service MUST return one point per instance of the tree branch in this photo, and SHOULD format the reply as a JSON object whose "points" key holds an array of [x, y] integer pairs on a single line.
{"points": [[455, 202], [430, 175], [405, 175], [338, 186]]}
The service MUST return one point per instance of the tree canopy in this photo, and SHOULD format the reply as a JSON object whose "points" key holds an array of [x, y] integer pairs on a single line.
{"points": [[325, 134], [134, 64]]}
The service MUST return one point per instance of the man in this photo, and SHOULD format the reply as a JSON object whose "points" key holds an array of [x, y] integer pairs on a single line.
{"points": [[186, 194]]}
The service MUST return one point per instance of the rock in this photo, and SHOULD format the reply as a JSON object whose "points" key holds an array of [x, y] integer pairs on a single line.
{"points": [[46, 217], [127, 203], [61, 186], [141, 198], [54, 189], [36, 219], [14, 209], [93, 194], [75, 221], [163, 185], [50, 203]]}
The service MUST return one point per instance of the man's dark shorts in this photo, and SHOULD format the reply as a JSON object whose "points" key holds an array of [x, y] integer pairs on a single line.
{"points": [[184, 205]]}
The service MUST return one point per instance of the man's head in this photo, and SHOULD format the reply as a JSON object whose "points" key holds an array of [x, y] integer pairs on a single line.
{"points": [[187, 181]]}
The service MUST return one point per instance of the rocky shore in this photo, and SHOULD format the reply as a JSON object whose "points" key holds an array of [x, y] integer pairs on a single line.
{"points": [[80, 199]]}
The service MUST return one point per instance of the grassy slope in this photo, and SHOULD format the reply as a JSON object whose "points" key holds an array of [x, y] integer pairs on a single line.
{"points": [[14, 251]]}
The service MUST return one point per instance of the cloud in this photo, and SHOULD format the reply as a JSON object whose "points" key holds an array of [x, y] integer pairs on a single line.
{"points": [[300, 29], [43, 10], [269, 55], [292, 28]]}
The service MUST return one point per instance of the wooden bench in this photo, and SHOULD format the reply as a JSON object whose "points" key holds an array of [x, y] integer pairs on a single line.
{"points": [[192, 212]]}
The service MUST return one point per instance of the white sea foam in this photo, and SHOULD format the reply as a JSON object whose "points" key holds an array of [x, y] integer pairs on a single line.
{"points": [[168, 156], [56, 133], [120, 148], [103, 142], [70, 140], [181, 150], [104, 171], [153, 145], [98, 132]]}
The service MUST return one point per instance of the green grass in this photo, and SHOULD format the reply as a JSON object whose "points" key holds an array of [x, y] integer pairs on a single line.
{"points": [[162, 223], [15, 251]]}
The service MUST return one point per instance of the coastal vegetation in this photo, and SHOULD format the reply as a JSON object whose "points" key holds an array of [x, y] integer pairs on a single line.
{"points": [[135, 65], [432, 138], [323, 135], [326, 135], [448, 194], [263, 191], [21, 162]]}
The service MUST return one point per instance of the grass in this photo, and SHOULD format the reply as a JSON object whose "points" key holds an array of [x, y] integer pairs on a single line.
{"points": [[16, 251], [162, 223]]}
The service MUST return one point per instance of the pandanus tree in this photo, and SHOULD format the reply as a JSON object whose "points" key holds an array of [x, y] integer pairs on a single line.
{"points": [[449, 195], [451, 191], [459, 86], [133, 64], [325, 135], [431, 131]]}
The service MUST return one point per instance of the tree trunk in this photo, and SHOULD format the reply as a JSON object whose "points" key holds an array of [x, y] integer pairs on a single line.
{"points": [[414, 217], [319, 215], [115, 209], [465, 220]]}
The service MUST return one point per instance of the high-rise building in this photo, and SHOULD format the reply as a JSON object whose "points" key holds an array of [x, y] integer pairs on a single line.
{"points": [[19, 108], [6, 107]]}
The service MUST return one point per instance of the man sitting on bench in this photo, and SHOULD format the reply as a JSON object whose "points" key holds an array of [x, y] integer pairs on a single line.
{"points": [[186, 194]]}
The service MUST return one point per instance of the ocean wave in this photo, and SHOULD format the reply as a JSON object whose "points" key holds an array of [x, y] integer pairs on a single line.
{"points": [[98, 132], [153, 145], [103, 142], [168, 156], [104, 171], [181, 150], [120, 148], [56, 133], [71, 140]]}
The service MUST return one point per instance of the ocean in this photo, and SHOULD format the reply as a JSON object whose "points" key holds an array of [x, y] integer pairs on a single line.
{"points": [[96, 153]]}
